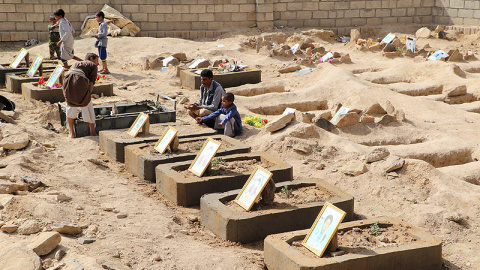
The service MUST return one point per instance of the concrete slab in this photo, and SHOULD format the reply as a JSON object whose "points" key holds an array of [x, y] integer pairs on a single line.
{"points": [[113, 142], [13, 81], [425, 253], [5, 69], [243, 226], [230, 79], [126, 115], [53, 95], [186, 191], [141, 162]]}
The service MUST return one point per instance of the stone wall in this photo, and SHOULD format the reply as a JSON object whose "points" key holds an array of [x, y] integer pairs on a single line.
{"points": [[25, 19]]}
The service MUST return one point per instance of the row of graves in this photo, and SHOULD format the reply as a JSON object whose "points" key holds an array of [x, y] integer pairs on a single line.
{"points": [[247, 197]]}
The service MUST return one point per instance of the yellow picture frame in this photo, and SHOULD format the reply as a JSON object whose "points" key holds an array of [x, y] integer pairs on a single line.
{"points": [[137, 125], [54, 76], [319, 237], [21, 54], [204, 157], [35, 65], [254, 186], [167, 137]]}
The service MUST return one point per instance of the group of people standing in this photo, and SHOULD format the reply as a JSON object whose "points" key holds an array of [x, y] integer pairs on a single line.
{"points": [[81, 76], [215, 107]]}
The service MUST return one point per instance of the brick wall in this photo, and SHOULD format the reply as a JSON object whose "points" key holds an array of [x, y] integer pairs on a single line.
{"points": [[26, 19]]}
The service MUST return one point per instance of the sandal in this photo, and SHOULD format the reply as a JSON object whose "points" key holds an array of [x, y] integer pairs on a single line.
{"points": [[105, 72]]}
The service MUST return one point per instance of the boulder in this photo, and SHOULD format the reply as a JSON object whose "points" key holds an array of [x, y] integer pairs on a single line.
{"points": [[377, 154], [394, 163], [29, 227], [375, 109], [354, 35], [45, 242], [324, 123], [354, 168], [66, 228], [423, 32], [14, 257], [279, 123], [455, 91], [348, 119]]}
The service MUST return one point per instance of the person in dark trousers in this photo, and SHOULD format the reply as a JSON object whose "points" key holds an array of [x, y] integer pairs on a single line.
{"points": [[226, 118]]}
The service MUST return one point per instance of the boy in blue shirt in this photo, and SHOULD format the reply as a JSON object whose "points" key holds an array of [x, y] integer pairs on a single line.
{"points": [[226, 118]]}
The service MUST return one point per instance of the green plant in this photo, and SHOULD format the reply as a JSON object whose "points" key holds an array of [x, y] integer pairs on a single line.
{"points": [[286, 191], [375, 229], [259, 208], [188, 149], [399, 49], [197, 147], [319, 148], [217, 161]]}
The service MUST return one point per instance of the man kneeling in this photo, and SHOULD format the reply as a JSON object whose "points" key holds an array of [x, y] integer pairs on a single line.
{"points": [[77, 89]]}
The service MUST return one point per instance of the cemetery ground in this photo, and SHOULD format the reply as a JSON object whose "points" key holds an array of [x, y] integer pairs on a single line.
{"points": [[135, 227]]}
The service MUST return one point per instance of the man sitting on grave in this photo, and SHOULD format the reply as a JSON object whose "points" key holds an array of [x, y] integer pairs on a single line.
{"points": [[226, 118], [210, 96], [77, 89]]}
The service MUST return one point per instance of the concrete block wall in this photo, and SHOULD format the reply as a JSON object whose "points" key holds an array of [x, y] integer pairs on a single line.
{"points": [[457, 12], [26, 19], [331, 14]]}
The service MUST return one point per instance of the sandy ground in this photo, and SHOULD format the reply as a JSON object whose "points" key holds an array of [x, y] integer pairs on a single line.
{"points": [[427, 191]]}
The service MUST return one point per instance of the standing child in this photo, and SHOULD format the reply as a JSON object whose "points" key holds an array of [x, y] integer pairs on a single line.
{"points": [[54, 37], [66, 37], [226, 118], [102, 40]]}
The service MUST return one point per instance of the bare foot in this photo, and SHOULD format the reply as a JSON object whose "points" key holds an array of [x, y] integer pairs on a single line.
{"points": [[72, 135]]}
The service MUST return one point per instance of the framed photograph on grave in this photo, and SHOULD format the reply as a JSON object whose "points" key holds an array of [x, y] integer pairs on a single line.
{"points": [[142, 118], [54, 77], [410, 44], [204, 157], [323, 229], [167, 137], [19, 58], [388, 38], [253, 188], [439, 54], [342, 110], [35, 65]]}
